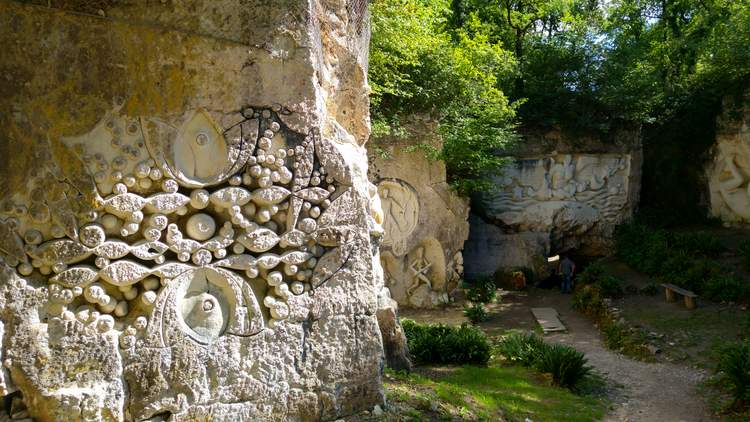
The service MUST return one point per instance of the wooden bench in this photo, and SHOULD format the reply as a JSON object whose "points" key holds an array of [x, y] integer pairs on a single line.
{"points": [[688, 296]]}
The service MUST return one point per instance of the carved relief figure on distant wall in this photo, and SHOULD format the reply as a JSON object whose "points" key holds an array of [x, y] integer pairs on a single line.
{"points": [[561, 193], [401, 209], [729, 178], [419, 268]]}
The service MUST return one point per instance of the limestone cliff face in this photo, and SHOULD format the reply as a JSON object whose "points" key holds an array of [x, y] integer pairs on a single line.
{"points": [[425, 221], [187, 230], [560, 194], [728, 172]]}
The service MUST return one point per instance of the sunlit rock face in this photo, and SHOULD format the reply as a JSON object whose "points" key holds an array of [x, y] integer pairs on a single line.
{"points": [[559, 194], [424, 220], [728, 172], [187, 231]]}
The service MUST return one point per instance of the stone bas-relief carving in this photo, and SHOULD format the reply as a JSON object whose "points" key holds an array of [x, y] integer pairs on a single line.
{"points": [[425, 226], [728, 174], [206, 232], [401, 213], [565, 195], [418, 277]]}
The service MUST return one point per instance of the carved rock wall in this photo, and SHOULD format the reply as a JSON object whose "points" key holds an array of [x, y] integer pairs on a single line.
{"points": [[728, 172], [425, 223], [186, 220], [567, 195]]}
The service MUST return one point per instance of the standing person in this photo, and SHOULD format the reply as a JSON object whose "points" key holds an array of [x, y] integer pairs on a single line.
{"points": [[566, 269]]}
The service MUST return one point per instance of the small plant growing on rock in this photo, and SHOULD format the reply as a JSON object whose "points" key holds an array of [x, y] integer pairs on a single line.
{"points": [[476, 313]]}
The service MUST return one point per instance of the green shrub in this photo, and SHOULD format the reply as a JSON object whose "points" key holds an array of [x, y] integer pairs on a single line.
{"points": [[681, 258], [521, 348], [725, 288], [439, 343], [481, 290], [589, 301], [476, 313], [650, 289], [591, 274], [690, 272], [566, 365], [734, 370], [744, 251], [697, 243], [642, 247], [610, 286], [618, 337], [615, 335], [596, 274]]}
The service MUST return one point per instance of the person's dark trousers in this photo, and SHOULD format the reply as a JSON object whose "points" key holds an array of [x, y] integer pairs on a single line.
{"points": [[567, 283]]}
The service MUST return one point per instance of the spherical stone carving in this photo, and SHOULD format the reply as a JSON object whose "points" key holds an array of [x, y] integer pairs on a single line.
{"points": [[92, 235], [201, 227]]}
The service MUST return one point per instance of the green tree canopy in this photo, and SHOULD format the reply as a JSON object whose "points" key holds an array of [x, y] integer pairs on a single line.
{"points": [[420, 64], [484, 66]]}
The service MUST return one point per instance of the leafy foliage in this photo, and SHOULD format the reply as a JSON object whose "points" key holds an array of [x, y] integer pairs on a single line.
{"points": [[419, 64], [734, 369], [476, 313], [650, 289], [566, 365], [521, 348], [684, 259], [445, 344], [745, 253], [590, 67], [590, 301], [481, 290], [606, 284]]}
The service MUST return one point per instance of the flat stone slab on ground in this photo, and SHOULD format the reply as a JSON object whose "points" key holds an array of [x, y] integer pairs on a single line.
{"points": [[548, 320]]}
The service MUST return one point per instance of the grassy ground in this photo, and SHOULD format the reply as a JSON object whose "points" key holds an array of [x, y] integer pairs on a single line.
{"points": [[498, 392], [691, 337], [495, 393]]}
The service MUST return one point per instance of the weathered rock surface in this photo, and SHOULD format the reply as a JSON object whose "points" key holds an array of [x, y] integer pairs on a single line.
{"points": [[186, 222], [394, 338], [490, 249], [559, 194], [728, 172], [425, 222]]}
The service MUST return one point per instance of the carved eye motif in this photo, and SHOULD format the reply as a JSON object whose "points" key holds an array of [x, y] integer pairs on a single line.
{"points": [[201, 153], [203, 306], [201, 312], [202, 139]]}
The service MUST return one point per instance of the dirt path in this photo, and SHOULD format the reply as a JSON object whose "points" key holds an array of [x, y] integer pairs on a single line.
{"points": [[640, 391], [645, 392]]}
